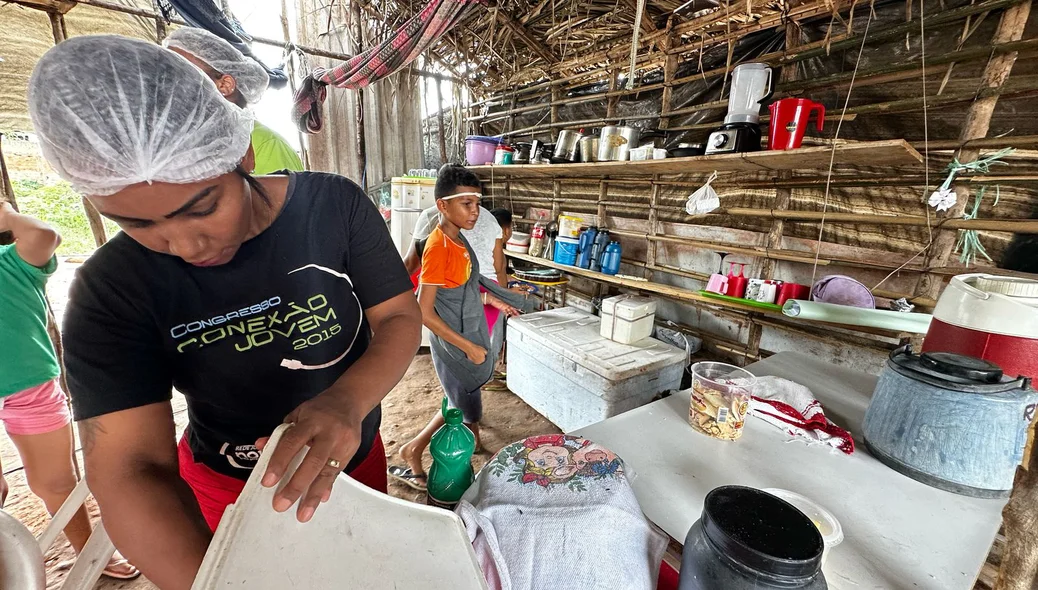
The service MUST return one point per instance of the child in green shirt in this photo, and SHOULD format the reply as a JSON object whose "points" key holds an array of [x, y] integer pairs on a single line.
{"points": [[33, 407]]}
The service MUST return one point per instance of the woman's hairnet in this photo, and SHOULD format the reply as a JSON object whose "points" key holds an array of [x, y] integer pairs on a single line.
{"points": [[250, 77], [111, 111]]}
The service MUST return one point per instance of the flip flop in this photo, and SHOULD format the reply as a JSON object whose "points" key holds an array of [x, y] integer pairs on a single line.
{"points": [[408, 477], [120, 576]]}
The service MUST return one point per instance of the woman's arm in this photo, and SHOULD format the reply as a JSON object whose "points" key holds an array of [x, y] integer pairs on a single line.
{"points": [[148, 510], [35, 241], [330, 424], [507, 309]]}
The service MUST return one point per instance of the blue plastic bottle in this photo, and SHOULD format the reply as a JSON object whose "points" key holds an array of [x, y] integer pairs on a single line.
{"points": [[587, 239], [611, 258], [598, 246]]}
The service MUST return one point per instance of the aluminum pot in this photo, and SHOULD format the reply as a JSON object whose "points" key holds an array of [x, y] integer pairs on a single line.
{"points": [[616, 142], [522, 153], [589, 148], [566, 147]]}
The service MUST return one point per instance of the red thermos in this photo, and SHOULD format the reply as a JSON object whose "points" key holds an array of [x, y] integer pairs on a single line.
{"points": [[789, 118], [789, 291], [736, 283]]}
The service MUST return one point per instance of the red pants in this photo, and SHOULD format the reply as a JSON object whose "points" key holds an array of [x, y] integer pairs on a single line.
{"points": [[215, 491]]}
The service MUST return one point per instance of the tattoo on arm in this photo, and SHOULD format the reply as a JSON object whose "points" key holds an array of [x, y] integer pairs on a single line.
{"points": [[89, 429]]}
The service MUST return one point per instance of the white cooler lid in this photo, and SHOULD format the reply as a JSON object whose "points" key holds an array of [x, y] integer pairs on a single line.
{"points": [[629, 307], [574, 334]]}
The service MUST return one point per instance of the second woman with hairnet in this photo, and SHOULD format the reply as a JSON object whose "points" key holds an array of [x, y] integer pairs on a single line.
{"points": [[241, 80], [262, 299]]}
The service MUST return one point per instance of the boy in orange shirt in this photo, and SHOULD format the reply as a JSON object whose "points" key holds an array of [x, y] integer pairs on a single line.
{"points": [[452, 309]]}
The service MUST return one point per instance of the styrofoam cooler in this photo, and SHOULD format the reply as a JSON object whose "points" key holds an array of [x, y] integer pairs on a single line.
{"points": [[561, 366], [627, 318], [408, 197]]}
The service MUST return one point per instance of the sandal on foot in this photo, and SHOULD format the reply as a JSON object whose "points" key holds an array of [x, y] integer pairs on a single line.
{"points": [[118, 574], [408, 477]]}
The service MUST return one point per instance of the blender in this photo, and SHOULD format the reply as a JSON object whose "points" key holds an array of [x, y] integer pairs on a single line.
{"points": [[751, 83]]}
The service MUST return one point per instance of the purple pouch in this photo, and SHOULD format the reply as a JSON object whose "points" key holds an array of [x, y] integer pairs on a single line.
{"points": [[843, 290]]}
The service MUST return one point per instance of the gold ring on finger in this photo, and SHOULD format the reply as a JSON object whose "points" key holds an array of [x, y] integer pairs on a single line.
{"points": [[334, 464]]}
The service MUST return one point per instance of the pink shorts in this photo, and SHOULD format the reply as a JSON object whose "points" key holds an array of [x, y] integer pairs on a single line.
{"points": [[36, 410]]}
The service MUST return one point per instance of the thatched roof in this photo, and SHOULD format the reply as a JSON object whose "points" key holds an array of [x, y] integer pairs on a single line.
{"points": [[27, 35]]}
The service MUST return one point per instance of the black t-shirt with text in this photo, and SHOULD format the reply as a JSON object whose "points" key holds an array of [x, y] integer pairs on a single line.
{"points": [[246, 342]]}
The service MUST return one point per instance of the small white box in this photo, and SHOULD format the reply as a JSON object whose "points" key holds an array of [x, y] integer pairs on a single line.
{"points": [[627, 318]]}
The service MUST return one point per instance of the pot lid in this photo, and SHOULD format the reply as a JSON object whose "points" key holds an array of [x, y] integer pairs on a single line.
{"points": [[1011, 286], [955, 372]]}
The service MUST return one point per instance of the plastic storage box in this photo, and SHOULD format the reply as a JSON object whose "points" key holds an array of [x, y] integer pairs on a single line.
{"points": [[627, 319], [560, 365]]}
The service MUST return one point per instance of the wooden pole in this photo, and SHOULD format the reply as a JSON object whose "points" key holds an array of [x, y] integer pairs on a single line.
{"points": [[1020, 519], [439, 122], [978, 120], [358, 42], [291, 66], [97, 225], [783, 195], [160, 23]]}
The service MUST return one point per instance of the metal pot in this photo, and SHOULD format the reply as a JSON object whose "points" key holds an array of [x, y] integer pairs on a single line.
{"points": [[951, 421], [542, 154], [566, 147], [589, 148], [522, 153], [685, 150], [616, 142]]}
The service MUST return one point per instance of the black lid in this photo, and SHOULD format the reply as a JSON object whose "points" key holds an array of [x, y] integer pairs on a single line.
{"points": [[956, 372], [762, 532]]}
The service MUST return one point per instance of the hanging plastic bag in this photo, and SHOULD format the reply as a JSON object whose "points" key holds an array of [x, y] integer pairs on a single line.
{"points": [[704, 200]]}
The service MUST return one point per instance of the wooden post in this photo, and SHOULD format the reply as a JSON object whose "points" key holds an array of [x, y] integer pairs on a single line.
{"points": [[358, 43], [1020, 519], [782, 194], [439, 122], [160, 22], [6, 188], [291, 71], [978, 120], [97, 225]]}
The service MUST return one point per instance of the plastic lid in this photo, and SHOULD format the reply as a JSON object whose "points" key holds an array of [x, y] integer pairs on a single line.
{"points": [[762, 532], [954, 372], [483, 139], [1011, 286]]}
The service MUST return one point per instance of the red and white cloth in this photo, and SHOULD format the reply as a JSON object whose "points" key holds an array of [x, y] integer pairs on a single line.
{"points": [[793, 408], [378, 62]]}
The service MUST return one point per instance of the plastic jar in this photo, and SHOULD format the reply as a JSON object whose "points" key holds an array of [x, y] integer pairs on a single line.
{"points": [[748, 539]]}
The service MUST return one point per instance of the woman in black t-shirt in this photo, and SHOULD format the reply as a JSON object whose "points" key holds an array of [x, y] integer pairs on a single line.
{"points": [[262, 299]]}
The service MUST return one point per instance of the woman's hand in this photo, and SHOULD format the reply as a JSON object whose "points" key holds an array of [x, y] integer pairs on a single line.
{"points": [[330, 426], [477, 354]]}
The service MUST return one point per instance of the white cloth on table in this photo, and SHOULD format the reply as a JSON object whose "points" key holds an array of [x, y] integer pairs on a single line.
{"points": [[793, 408], [558, 512]]}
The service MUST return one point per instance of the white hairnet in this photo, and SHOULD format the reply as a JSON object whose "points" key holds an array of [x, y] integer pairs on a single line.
{"points": [[112, 111], [250, 77]]}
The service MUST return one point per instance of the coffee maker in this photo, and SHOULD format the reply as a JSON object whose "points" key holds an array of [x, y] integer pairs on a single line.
{"points": [[751, 83]]}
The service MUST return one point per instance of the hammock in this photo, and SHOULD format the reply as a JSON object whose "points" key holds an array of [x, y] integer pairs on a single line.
{"points": [[385, 59]]}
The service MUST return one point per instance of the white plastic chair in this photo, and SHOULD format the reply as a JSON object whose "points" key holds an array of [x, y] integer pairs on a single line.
{"points": [[22, 557], [360, 538]]}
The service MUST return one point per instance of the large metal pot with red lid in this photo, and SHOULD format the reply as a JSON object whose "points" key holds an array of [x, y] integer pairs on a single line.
{"points": [[951, 421]]}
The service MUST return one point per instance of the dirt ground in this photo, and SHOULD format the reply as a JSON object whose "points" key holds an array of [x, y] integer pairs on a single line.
{"points": [[405, 411]]}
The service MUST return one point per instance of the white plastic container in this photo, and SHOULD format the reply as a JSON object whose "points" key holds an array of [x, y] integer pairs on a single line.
{"points": [[569, 226], [627, 319], [828, 526], [560, 365]]}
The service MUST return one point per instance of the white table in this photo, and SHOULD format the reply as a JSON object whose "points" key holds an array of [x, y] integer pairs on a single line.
{"points": [[899, 533]]}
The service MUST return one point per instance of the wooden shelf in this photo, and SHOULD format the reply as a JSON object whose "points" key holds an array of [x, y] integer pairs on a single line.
{"points": [[687, 295], [897, 152]]}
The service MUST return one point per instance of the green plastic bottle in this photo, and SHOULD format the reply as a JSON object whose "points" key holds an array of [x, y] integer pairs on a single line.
{"points": [[451, 449]]}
